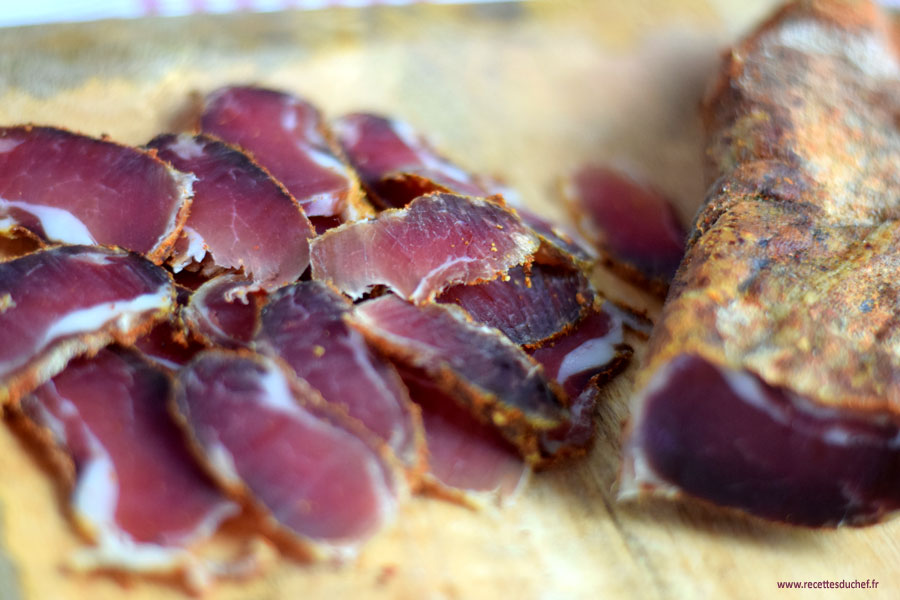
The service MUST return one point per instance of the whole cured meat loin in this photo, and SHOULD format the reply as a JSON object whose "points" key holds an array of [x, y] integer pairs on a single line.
{"points": [[221, 313], [772, 381], [240, 216], [396, 164], [475, 364], [635, 226], [136, 491], [437, 241], [73, 189], [304, 325], [320, 486], [56, 304], [286, 135], [468, 462], [529, 308]]}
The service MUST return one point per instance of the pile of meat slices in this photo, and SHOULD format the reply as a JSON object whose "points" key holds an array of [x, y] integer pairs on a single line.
{"points": [[286, 319]]}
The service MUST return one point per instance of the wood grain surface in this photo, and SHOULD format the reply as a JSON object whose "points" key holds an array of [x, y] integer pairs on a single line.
{"points": [[527, 91]]}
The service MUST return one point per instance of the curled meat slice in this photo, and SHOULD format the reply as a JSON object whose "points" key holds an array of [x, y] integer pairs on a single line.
{"points": [[726, 436], [396, 164], [304, 325], [475, 364], [221, 313], [59, 303], [634, 226], [318, 483], [74, 189], [286, 135], [468, 462], [167, 345], [439, 240], [528, 308], [137, 492], [559, 245], [240, 216]]}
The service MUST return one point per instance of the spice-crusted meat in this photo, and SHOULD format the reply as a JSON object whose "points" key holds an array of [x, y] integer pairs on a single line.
{"points": [[304, 325], [59, 303], [136, 490], [286, 135], [240, 216], [73, 189], [772, 381], [318, 485], [476, 364], [437, 241]]}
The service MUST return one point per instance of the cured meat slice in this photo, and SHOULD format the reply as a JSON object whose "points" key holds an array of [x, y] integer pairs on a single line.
{"points": [[439, 240], [220, 313], [59, 303], [143, 503], [304, 325], [558, 246], [486, 372], [396, 164], [70, 188], [593, 347], [321, 488], [468, 462], [528, 308], [286, 135], [240, 216], [634, 226], [772, 378]]}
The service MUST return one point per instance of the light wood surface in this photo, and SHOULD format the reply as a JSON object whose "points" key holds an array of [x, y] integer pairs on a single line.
{"points": [[526, 91]]}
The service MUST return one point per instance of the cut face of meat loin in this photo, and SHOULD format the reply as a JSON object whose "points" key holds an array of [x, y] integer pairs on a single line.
{"points": [[240, 216], [320, 487], [59, 303], [438, 241], [73, 189]]}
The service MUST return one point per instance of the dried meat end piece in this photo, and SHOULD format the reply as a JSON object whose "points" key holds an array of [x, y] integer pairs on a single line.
{"points": [[143, 505], [475, 364], [222, 313], [529, 307], [56, 304], [240, 216], [320, 484], [468, 462], [396, 164], [287, 136], [304, 325], [726, 436], [438, 241], [634, 226], [73, 189]]}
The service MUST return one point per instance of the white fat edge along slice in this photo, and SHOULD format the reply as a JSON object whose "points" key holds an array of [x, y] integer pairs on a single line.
{"points": [[193, 253], [122, 314], [195, 308], [593, 354], [92, 505], [185, 187], [58, 224]]}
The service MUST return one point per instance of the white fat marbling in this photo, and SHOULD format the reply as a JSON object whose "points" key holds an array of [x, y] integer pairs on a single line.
{"points": [[95, 317], [186, 147], [9, 144], [59, 225], [195, 252]]}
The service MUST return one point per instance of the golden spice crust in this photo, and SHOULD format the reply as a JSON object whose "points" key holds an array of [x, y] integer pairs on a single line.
{"points": [[793, 267]]}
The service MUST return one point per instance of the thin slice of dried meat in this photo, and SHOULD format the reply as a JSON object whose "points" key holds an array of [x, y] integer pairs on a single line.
{"points": [[475, 364], [437, 241], [241, 217], [59, 303], [633, 225], [772, 379], [136, 491], [468, 462], [287, 136], [221, 313], [396, 164], [321, 487], [528, 307], [73, 189], [304, 325]]}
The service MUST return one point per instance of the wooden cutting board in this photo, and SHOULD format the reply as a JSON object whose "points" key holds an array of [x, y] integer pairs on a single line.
{"points": [[527, 91]]}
